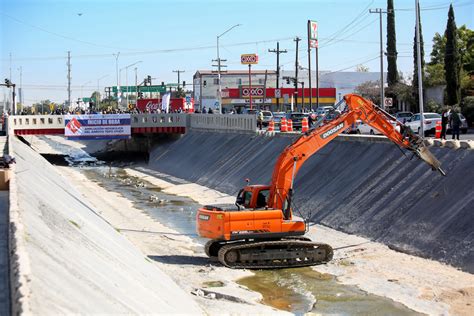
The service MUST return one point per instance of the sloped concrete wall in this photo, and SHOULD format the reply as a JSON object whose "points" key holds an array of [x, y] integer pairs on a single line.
{"points": [[68, 260], [362, 187]]}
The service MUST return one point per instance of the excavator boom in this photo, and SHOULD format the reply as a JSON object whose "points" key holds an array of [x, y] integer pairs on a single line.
{"points": [[357, 108]]}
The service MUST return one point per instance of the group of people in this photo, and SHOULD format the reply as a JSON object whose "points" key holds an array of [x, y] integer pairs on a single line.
{"points": [[450, 115]]}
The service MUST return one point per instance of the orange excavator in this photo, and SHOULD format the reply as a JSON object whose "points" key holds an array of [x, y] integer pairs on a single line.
{"points": [[260, 231]]}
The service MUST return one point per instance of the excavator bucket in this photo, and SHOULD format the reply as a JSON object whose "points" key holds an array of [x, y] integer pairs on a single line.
{"points": [[425, 154]]}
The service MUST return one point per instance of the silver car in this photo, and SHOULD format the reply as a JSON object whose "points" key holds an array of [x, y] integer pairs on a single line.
{"points": [[463, 126]]}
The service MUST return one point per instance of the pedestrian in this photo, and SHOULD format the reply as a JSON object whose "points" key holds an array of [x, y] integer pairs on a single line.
{"points": [[204, 110], [455, 122], [210, 111], [260, 120], [444, 121]]}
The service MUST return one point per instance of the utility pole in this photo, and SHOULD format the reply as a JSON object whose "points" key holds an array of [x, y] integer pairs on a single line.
{"points": [[278, 52], [20, 90], [382, 94], [420, 77], [68, 79], [309, 66], [219, 92], [136, 86], [178, 72], [297, 39], [12, 105]]}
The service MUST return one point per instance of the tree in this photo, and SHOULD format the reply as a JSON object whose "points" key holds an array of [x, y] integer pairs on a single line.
{"points": [[392, 77], [437, 53], [415, 67], [362, 68], [369, 90], [466, 48], [434, 75], [452, 62]]}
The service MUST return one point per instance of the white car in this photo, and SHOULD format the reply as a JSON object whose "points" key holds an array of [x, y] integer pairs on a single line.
{"points": [[429, 123], [363, 128]]}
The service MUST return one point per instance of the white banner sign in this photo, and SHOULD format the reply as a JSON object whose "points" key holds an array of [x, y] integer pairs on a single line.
{"points": [[97, 126]]}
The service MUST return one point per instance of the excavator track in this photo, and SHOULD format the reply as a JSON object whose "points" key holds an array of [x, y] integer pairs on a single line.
{"points": [[274, 254]]}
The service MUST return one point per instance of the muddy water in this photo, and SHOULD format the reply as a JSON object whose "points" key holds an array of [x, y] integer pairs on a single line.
{"points": [[295, 290], [305, 290]]}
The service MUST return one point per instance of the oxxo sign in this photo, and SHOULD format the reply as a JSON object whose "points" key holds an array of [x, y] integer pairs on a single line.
{"points": [[249, 59], [256, 91]]}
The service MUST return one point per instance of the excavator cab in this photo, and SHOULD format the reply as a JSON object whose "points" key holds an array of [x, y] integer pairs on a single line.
{"points": [[253, 197]]}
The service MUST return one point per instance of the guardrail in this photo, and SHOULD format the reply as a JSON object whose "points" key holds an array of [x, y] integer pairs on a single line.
{"points": [[141, 123], [159, 120], [226, 122]]}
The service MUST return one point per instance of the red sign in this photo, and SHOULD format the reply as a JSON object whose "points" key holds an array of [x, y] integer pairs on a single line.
{"points": [[236, 93], [256, 91], [152, 105], [249, 59]]}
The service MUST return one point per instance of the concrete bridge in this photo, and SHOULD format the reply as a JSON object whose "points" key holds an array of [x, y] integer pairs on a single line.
{"points": [[166, 123]]}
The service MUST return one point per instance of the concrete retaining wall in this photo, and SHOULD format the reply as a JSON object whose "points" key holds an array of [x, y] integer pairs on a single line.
{"points": [[358, 186], [67, 260]]}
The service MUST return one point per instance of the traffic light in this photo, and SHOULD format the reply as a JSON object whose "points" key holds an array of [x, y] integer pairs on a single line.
{"points": [[204, 83], [184, 83], [287, 80], [7, 82], [162, 83], [149, 80], [140, 95]]}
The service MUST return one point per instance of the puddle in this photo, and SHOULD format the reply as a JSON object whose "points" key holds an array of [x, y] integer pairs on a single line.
{"points": [[298, 290], [304, 290]]}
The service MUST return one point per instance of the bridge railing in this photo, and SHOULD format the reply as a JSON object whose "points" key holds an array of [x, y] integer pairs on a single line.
{"points": [[36, 122], [159, 120], [226, 122], [229, 122]]}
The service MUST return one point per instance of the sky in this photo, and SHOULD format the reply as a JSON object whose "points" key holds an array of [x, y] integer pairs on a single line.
{"points": [[162, 36]]}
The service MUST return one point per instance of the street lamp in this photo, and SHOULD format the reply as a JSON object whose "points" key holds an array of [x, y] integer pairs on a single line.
{"points": [[98, 89], [126, 74], [219, 67], [82, 86], [117, 72]]}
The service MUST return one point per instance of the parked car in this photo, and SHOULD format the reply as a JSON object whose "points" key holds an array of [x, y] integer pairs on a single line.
{"points": [[429, 122], [296, 118], [403, 117], [463, 126], [322, 110], [277, 116], [250, 111], [354, 128], [267, 117], [363, 128]]}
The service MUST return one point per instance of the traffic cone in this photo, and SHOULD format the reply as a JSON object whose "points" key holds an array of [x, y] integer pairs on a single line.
{"points": [[271, 126], [283, 126], [438, 129], [304, 125], [290, 125]]}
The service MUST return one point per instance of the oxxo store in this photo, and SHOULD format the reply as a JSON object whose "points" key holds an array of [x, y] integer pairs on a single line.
{"points": [[266, 98]]}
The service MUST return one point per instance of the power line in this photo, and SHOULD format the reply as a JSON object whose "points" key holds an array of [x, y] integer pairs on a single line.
{"points": [[54, 33]]}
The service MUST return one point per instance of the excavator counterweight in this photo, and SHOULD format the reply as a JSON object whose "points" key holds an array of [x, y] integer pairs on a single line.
{"points": [[260, 231]]}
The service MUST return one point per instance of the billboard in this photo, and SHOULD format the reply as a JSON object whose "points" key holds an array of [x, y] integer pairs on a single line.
{"points": [[175, 104], [97, 126]]}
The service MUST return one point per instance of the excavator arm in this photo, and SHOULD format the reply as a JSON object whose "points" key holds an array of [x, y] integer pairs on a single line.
{"points": [[357, 108]]}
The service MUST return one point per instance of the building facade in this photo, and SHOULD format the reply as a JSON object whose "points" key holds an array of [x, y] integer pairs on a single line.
{"points": [[235, 88]]}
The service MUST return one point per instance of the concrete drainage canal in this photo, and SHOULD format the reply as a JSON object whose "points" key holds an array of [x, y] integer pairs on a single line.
{"points": [[298, 291]]}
